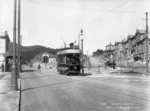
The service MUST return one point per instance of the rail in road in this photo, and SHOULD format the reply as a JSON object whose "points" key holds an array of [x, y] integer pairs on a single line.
{"points": [[47, 90]]}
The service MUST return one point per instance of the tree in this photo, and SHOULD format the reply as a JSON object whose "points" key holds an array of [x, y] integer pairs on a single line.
{"points": [[98, 52]]}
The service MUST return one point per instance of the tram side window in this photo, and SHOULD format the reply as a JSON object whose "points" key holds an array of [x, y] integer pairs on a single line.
{"points": [[62, 59], [67, 60]]}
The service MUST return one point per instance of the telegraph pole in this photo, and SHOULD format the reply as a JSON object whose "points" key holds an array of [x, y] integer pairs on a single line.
{"points": [[79, 40], [14, 85], [82, 57], [147, 53], [88, 59], [18, 56]]}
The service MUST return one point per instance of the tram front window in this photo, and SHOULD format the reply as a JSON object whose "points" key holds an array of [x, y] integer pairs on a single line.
{"points": [[73, 59]]}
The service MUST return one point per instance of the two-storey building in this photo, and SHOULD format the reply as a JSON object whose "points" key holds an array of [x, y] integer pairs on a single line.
{"points": [[139, 45], [127, 48], [119, 52], [110, 51]]}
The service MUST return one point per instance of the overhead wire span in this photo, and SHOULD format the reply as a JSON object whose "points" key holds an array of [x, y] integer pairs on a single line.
{"points": [[109, 11], [90, 9]]}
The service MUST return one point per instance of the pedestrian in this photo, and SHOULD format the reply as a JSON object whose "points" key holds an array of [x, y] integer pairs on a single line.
{"points": [[2, 67], [39, 67]]}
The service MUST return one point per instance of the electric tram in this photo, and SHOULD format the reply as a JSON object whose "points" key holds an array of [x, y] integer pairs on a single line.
{"points": [[68, 61]]}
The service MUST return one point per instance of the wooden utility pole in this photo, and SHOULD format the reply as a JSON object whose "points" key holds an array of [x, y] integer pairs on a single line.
{"points": [[82, 57], [18, 56], [14, 82], [147, 53], [88, 62], [79, 40]]}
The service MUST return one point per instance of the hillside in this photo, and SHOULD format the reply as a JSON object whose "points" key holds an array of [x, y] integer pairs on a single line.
{"points": [[38, 57], [30, 52]]}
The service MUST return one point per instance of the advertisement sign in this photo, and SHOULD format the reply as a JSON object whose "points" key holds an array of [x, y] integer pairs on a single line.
{"points": [[2, 46]]}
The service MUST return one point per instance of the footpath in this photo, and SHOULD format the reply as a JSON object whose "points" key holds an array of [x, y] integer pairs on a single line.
{"points": [[9, 100], [115, 73]]}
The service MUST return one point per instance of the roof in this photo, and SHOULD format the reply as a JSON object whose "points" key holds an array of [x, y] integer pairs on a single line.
{"points": [[5, 36], [118, 43], [69, 51], [109, 45], [130, 36], [141, 31]]}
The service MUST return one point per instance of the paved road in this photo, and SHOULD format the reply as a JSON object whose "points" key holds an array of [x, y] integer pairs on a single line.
{"points": [[49, 91]]}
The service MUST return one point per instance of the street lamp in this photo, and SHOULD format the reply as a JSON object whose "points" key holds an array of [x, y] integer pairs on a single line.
{"points": [[79, 37], [82, 57]]}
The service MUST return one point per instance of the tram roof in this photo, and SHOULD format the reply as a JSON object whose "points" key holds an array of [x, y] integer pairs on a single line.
{"points": [[69, 51]]}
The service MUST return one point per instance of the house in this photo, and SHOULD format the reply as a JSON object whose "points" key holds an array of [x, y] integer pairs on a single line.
{"points": [[127, 48], [138, 48], [119, 50], [133, 48], [110, 51]]}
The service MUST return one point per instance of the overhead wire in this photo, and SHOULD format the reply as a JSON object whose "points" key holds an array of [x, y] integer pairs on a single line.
{"points": [[87, 9], [109, 11], [90, 9]]}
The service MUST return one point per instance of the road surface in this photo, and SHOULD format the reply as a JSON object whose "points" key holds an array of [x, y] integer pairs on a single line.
{"points": [[46, 90]]}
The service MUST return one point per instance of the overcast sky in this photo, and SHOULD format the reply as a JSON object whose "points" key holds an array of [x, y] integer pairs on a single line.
{"points": [[44, 22]]}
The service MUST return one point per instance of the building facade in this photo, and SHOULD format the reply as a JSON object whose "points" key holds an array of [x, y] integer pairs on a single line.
{"points": [[110, 51], [139, 45], [131, 49]]}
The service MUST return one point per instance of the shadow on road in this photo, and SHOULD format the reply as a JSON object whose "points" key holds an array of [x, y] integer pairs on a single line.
{"points": [[48, 85], [31, 70], [38, 76], [85, 74]]}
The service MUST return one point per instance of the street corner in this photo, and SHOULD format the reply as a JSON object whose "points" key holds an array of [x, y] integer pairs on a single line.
{"points": [[13, 100]]}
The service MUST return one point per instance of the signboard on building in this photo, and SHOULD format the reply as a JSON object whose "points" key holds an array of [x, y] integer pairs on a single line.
{"points": [[2, 46]]}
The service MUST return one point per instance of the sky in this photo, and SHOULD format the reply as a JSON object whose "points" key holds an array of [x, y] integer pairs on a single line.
{"points": [[50, 22]]}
